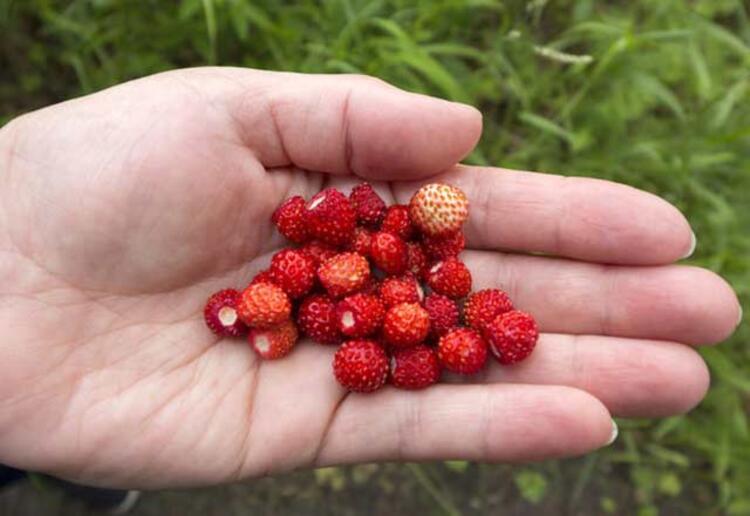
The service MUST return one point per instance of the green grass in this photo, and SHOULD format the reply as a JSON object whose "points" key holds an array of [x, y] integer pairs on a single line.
{"points": [[655, 94]]}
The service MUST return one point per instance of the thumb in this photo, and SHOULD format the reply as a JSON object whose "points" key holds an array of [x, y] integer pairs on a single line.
{"points": [[349, 124]]}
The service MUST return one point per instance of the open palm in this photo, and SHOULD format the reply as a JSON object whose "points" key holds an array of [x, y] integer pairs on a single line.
{"points": [[122, 211]]}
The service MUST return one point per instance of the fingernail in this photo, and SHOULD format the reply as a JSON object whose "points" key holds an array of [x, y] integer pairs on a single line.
{"points": [[468, 109], [739, 319], [614, 433], [693, 244]]}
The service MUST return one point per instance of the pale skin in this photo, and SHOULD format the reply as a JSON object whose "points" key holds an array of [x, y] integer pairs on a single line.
{"points": [[120, 212]]}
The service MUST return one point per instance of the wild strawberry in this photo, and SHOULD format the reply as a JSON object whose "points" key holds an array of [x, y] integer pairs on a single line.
{"points": [[274, 342], [220, 314], [317, 319], [344, 274], [396, 221], [512, 336], [438, 209], [359, 315], [371, 287], [318, 251], [450, 277], [330, 217], [443, 313], [389, 253], [482, 307], [416, 259], [368, 205], [405, 325], [293, 271], [290, 219], [263, 305], [442, 247], [462, 350], [361, 366], [361, 242], [397, 290], [263, 276], [414, 368]]}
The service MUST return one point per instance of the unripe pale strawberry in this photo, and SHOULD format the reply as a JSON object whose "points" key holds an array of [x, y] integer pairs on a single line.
{"points": [[437, 209]]}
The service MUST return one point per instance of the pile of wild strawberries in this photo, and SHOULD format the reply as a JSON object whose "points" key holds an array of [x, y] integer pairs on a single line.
{"points": [[356, 278]]}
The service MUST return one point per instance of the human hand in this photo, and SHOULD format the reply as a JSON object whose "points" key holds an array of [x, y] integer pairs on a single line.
{"points": [[120, 212]]}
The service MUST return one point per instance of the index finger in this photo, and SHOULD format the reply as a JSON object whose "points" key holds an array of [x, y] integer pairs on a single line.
{"points": [[582, 218]]}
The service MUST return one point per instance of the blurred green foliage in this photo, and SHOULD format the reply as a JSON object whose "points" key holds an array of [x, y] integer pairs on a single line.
{"points": [[655, 94]]}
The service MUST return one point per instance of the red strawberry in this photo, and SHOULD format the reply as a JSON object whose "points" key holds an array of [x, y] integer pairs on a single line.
{"points": [[416, 259], [264, 276], [263, 305], [290, 219], [482, 307], [368, 205], [414, 368], [359, 315], [512, 336], [438, 209], [389, 253], [397, 221], [360, 366], [361, 242], [331, 217], [318, 251], [450, 277], [344, 274], [406, 325], [462, 350], [275, 342], [448, 246], [220, 314], [397, 290], [293, 271], [443, 313], [317, 319]]}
